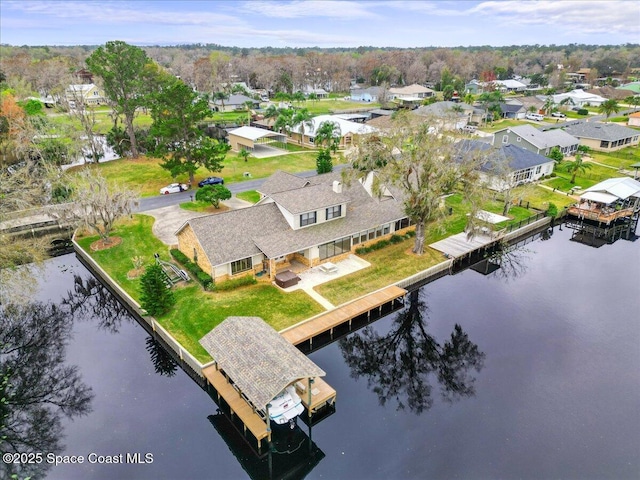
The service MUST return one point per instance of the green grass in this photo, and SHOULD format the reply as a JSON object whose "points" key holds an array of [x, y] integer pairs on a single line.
{"points": [[198, 206], [388, 265], [197, 312], [147, 176], [249, 196], [619, 159], [595, 174], [499, 125]]}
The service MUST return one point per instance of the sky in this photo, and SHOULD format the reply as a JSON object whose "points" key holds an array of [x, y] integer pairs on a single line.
{"points": [[322, 23]]}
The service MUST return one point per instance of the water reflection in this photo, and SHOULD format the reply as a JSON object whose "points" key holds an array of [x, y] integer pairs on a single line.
{"points": [[399, 364], [37, 387], [163, 362], [91, 299], [509, 261]]}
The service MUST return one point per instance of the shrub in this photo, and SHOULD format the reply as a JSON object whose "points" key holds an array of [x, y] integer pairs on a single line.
{"points": [[236, 283], [396, 239], [193, 268], [179, 256], [583, 111], [552, 210]]}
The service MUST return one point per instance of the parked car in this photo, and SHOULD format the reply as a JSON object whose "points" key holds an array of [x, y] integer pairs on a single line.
{"points": [[558, 115], [534, 116], [211, 181], [174, 188]]}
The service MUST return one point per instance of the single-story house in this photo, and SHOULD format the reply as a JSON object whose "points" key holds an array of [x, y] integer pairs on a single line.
{"points": [[510, 86], [87, 93], [235, 102], [454, 115], [305, 134], [410, 92], [318, 92], [579, 98], [303, 220], [524, 166], [370, 94], [634, 119], [536, 141], [513, 109], [604, 137]]}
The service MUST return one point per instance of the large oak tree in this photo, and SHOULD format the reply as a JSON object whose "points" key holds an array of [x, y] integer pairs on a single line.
{"points": [[122, 69]]}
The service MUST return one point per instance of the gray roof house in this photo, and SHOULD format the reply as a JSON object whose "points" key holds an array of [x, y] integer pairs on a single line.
{"points": [[536, 141], [297, 220], [510, 165], [605, 137], [234, 102]]}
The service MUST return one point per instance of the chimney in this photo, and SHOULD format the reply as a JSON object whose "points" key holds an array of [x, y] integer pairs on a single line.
{"points": [[337, 186]]}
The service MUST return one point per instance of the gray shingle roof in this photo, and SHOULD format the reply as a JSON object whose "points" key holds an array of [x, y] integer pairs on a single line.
{"points": [[257, 358], [281, 181], [519, 158], [601, 131], [308, 198], [237, 234]]}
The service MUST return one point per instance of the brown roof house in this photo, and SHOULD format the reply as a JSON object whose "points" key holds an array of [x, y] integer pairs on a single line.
{"points": [[303, 221]]}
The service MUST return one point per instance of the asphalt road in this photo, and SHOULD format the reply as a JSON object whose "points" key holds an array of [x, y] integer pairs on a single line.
{"points": [[151, 203]]}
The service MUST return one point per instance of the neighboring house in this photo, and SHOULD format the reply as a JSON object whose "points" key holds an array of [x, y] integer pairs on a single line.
{"points": [[536, 141], [634, 120], [524, 166], [319, 92], [510, 86], [513, 109], [474, 87], [534, 104], [579, 98], [410, 96], [603, 137], [89, 94], [611, 92], [454, 115], [306, 221], [348, 130], [370, 94], [252, 139], [235, 102], [633, 87]]}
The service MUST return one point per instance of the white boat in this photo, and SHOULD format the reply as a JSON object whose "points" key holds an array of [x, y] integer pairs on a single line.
{"points": [[286, 406]]}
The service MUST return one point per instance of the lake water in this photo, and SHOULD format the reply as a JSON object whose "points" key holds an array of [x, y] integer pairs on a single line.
{"points": [[540, 381]]}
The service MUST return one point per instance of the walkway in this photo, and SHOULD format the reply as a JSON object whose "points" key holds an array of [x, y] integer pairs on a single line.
{"points": [[315, 276]]}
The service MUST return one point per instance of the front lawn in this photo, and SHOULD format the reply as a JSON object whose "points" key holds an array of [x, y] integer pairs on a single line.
{"points": [[620, 159], [147, 176], [590, 177], [196, 311]]}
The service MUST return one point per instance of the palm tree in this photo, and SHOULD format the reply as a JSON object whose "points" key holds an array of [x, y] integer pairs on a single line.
{"points": [[298, 97], [328, 135], [313, 96], [578, 165], [548, 105], [608, 107], [222, 96], [248, 105], [244, 153], [284, 122], [303, 118]]}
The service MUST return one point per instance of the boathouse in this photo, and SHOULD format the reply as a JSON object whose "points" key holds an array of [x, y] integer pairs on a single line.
{"points": [[606, 211], [252, 364]]}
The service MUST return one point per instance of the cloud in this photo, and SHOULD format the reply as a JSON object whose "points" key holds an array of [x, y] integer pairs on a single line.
{"points": [[344, 10], [614, 16]]}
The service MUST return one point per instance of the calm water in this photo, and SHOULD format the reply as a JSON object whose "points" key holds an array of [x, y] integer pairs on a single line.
{"points": [[541, 380]]}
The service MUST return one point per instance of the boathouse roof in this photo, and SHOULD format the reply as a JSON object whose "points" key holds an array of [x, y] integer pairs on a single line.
{"points": [[257, 359]]}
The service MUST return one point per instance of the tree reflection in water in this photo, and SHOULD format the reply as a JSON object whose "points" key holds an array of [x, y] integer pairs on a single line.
{"points": [[91, 299], [36, 386], [163, 362], [512, 260], [398, 365]]}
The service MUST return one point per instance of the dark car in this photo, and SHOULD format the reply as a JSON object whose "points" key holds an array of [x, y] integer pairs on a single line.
{"points": [[211, 181]]}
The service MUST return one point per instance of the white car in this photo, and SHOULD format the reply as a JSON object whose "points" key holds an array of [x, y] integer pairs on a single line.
{"points": [[174, 188], [558, 115], [534, 116]]}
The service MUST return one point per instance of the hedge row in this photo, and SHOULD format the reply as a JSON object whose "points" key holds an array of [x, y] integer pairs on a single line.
{"points": [[383, 243], [203, 277]]}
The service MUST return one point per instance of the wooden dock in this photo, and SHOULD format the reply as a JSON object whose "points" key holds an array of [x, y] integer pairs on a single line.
{"points": [[238, 405], [330, 320], [459, 245], [321, 394]]}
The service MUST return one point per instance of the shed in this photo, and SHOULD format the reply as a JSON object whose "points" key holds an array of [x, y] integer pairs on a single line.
{"points": [[257, 359], [250, 138]]}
